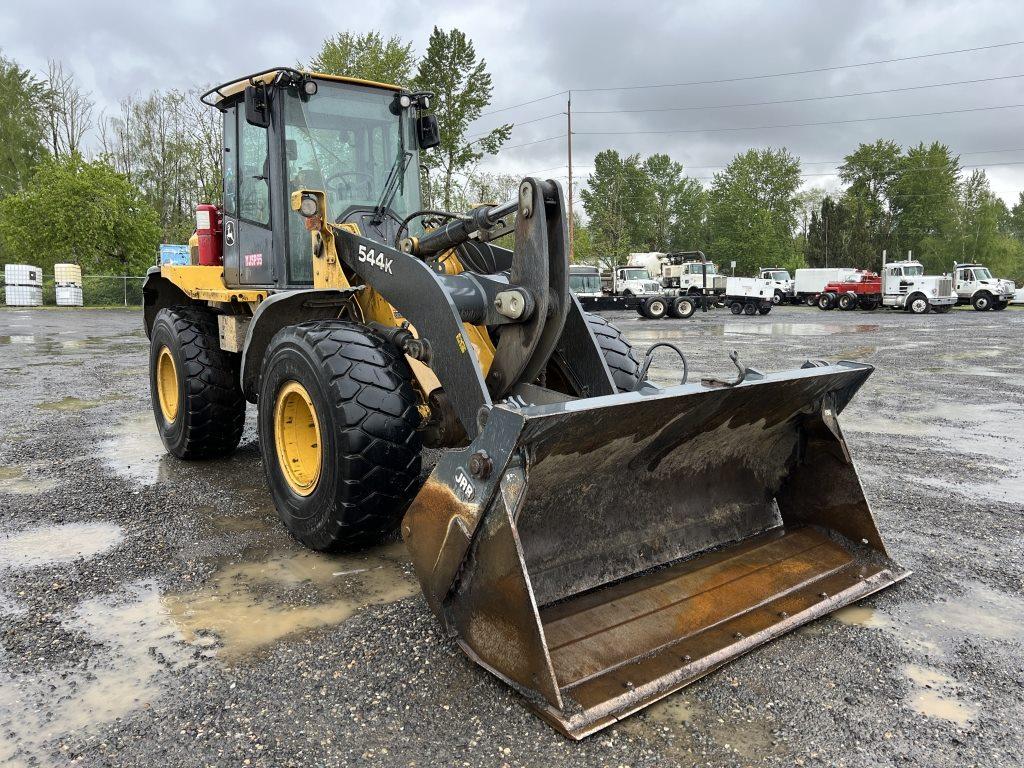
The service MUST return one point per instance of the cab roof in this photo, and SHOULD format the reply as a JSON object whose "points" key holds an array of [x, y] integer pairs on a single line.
{"points": [[215, 96]]}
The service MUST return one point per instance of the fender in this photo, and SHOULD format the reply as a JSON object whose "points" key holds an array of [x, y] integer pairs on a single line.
{"points": [[278, 311]]}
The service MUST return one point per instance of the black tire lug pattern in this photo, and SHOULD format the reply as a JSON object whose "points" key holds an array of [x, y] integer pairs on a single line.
{"points": [[619, 354]]}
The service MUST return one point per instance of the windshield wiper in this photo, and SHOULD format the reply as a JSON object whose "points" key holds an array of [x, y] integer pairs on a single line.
{"points": [[395, 178]]}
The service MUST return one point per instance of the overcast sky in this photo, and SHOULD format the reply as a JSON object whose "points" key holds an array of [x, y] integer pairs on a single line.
{"points": [[534, 49]]}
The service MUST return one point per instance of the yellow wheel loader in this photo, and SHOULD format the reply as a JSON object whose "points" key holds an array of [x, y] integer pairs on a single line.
{"points": [[595, 541]]}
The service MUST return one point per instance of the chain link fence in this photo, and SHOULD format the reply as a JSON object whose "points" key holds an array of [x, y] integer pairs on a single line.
{"points": [[97, 290]]}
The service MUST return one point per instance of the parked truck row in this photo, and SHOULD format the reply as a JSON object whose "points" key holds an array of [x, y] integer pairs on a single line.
{"points": [[677, 284]]}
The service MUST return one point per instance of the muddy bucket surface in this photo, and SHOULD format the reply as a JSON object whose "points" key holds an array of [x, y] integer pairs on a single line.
{"points": [[617, 548]]}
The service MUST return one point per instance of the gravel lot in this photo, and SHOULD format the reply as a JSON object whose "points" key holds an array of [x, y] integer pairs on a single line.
{"points": [[155, 613]]}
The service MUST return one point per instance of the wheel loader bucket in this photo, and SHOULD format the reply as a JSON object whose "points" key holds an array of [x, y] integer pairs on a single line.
{"points": [[599, 554]]}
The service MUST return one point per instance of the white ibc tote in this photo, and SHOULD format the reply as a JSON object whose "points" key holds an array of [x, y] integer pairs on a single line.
{"points": [[23, 285]]}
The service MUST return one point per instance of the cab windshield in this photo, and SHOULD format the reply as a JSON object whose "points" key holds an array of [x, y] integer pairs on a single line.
{"points": [[584, 283], [635, 274], [345, 140], [982, 273], [779, 274], [913, 271]]}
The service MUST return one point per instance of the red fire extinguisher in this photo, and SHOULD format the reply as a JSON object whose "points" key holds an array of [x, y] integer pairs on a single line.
{"points": [[208, 228]]}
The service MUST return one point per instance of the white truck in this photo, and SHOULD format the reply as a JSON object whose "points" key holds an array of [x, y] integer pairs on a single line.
{"points": [[782, 283], [749, 295], [690, 273], [585, 281], [811, 281], [633, 281], [906, 286], [975, 285]]}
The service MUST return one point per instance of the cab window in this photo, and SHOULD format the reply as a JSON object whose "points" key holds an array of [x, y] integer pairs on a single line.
{"points": [[254, 174]]}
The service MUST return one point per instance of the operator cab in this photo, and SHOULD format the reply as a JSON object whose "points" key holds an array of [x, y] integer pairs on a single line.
{"points": [[285, 131]]}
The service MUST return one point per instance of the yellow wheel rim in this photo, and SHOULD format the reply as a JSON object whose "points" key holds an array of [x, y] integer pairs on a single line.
{"points": [[297, 438], [167, 384]]}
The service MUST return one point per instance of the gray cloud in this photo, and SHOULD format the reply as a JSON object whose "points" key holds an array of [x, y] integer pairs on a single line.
{"points": [[535, 49]]}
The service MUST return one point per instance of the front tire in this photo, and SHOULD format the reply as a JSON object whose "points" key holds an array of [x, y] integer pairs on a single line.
{"points": [[619, 355], [982, 302], [197, 401], [683, 307], [338, 419], [919, 305]]}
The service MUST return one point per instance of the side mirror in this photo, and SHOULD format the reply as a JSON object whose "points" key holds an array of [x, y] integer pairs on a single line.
{"points": [[256, 112], [427, 133]]}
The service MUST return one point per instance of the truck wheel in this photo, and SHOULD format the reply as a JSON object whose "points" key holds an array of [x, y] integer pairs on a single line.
{"points": [[982, 302], [765, 309], [869, 305], [681, 307], [627, 294], [999, 305], [847, 302], [750, 308], [655, 307], [918, 305], [197, 401], [338, 425], [736, 307], [777, 297], [619, 354], [826, 301]]}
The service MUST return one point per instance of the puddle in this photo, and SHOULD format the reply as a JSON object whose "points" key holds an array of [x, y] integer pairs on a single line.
{"points": [[69, 404], [672, 711], [18, 339], [250, 604], [13, 479], [134, 643], [937, 695], [794, 329], [135, 450], [982, 612], [56, 544], [861, 616]]}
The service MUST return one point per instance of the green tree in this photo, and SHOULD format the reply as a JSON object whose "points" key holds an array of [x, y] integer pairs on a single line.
{"points": [[367, 57], [80, 212], [753, 210], [462, 88], [839, 235], [923, 198], [618, 199], [672, 213], [23, 100]]}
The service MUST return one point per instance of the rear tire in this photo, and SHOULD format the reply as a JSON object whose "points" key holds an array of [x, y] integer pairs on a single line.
{"points": [[827, 301], [682, 307], [736, 307], [655, 307], [764, 310], [197, 401], [349, 395], [810, 300], [847, 302], [619, 355], [750, 308]]}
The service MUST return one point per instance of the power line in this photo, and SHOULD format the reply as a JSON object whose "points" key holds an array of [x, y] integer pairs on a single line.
{"points": [[803, 71], [799, 125], [792, 101], [743, 78]]}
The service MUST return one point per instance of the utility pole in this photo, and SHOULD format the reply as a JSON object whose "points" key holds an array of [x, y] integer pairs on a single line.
{"points": [[568, 114]]}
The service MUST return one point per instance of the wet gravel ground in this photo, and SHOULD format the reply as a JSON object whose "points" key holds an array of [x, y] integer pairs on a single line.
{"points": [[155, 613]]}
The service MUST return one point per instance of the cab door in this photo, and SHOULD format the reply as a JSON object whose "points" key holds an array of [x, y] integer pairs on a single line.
{"points": [[248, 242]]}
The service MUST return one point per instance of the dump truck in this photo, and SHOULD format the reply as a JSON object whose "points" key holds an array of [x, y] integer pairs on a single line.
{"points": [[592, 539], [975, 285]]}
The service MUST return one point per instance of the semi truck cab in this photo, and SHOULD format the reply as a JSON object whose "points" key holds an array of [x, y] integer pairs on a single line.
{"points": [[634, 281], [906, 286]]}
